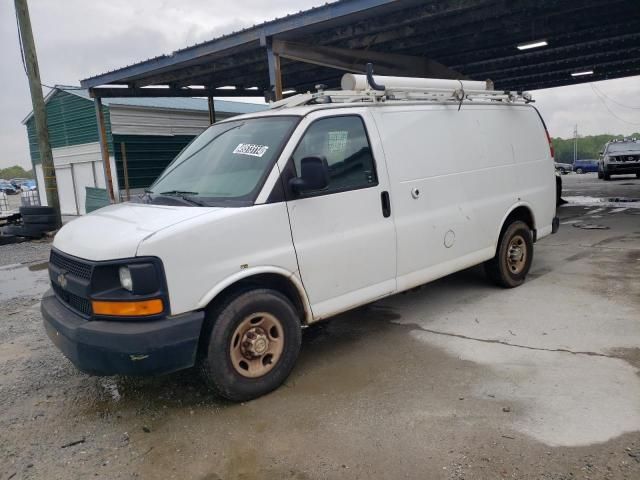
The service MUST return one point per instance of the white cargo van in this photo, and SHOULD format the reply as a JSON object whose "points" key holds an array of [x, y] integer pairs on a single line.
{"points": [[275, 220]]}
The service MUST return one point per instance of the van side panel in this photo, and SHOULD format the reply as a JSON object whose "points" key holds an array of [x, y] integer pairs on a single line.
{"points": [[454, 176], [202, 253]]}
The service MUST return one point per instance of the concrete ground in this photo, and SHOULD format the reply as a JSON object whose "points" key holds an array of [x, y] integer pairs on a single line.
{"points": [[458, 380]]}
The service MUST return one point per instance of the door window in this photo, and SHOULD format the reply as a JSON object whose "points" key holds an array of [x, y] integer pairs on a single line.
{"points": [[343, 142]]}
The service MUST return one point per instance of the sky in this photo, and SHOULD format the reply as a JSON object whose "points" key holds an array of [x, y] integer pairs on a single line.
{"points": [[76, 39]]}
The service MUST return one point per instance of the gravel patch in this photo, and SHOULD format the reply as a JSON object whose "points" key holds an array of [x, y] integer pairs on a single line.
{"points": [[27, 252]]}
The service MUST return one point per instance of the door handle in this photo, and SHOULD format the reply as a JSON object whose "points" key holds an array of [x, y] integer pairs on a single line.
{"points": [[386, 204]]}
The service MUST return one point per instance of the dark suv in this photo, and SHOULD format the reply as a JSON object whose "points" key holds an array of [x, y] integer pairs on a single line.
{"points": [[620, 157]]}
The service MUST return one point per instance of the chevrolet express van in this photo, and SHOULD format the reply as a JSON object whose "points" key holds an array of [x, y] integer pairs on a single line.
{"points": [[275, 220]]}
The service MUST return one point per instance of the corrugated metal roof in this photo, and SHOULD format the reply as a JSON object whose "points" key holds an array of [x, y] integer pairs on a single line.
{"points": [[477, 38], [173, 103]]}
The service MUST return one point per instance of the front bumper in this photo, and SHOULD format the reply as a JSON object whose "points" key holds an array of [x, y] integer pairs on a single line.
{"points": [[623, 167], [134, 347]]}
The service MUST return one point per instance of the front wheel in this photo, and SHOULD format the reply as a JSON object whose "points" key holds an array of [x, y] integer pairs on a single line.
{"points": [[252, 346], [513, 257]]}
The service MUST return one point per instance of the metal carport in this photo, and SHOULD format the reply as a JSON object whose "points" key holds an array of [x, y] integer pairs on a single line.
{"points": [[477, 38], [438, 38]]}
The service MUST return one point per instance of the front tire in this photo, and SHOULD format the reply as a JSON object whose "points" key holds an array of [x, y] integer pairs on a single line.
{"points": [[513, 257], [252, 346]]}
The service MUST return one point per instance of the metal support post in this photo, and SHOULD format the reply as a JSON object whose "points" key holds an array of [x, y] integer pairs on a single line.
{"points": [[125, 168], [275, 76], [212, 110], [104, 148]]}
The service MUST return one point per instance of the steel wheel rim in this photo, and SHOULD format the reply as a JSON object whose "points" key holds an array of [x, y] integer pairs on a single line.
{"points": [[256, 345], [516, 254]]}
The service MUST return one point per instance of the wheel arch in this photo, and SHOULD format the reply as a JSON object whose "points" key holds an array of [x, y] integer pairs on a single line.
{"points": [[274, 278], [520, 211]]}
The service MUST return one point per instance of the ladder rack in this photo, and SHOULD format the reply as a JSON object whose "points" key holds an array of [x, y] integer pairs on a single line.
{"points": [[402, 89], [402, 95]]}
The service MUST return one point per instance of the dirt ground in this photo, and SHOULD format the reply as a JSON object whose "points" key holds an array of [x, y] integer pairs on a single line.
{"points": [[457, 380]]}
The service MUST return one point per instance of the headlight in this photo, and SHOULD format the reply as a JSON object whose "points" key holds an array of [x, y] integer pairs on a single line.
{"points": [[126, 281]]}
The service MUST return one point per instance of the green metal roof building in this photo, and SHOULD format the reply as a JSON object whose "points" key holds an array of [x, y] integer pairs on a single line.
{"points": [[147, 132]]}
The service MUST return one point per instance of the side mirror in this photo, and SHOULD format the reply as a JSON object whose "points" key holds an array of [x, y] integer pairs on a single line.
{"points": [[600, 153], [314, 175]]}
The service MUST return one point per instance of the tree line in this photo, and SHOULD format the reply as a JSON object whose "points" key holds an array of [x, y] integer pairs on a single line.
{"points": [[589, 146], [15, 172]]}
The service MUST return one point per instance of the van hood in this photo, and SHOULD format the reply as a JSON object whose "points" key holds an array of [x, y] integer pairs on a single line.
{"points": [[116, 231]]}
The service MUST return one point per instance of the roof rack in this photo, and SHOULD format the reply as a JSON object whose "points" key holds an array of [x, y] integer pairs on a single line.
{"points": [[366, 88]]}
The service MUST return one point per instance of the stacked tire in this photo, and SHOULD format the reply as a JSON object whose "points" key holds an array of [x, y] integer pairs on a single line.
{"points": [[36, 221]]}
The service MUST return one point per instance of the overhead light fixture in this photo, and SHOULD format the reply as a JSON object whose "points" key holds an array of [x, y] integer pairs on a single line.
{"points": [[287, 92], [529, 45], [582, 73], [226, 87]]}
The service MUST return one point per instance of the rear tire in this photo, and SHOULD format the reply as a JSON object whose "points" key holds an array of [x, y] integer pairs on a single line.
{"points": [[579, 171], [252, 345], [509, 267]]}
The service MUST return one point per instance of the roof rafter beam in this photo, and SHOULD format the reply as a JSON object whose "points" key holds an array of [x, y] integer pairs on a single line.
{"points": [[356, 60], [110, 92]]}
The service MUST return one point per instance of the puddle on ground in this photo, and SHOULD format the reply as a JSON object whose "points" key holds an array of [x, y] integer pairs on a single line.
{"points": [[19, 280], [627, 202]]}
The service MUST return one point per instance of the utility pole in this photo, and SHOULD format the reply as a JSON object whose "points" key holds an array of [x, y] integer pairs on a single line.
{"points": [[575, 143], [39, 114]]}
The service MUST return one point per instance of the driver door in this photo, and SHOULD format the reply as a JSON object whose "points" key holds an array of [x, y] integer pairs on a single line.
{"points": [[344, 235]]}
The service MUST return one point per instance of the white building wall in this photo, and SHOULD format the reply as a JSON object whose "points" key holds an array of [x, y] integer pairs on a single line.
{"points": [[77, 167]]}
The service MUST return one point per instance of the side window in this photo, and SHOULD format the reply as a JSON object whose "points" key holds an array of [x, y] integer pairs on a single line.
{"points": [[343, 142]]}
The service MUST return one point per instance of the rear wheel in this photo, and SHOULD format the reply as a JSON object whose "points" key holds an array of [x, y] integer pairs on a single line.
{"points": [[252, 345], [513, 257], [579, 171]]}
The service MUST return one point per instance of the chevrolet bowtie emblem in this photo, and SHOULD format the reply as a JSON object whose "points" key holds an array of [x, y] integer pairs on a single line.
{"points": [[62, 280]]}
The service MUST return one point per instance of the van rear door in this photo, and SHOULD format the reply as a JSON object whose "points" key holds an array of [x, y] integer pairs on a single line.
{"points": [[344, 235]]}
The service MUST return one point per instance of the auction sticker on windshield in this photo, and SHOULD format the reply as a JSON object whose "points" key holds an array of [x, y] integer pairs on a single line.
{"points": [[250, 149]]}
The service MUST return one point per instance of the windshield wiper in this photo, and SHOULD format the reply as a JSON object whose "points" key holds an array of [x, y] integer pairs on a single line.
{"points": [[177, 192], [182, 195]]}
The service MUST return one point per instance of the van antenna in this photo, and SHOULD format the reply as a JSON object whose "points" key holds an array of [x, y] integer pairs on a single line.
{"points": [[372, 83], [460, 94]]}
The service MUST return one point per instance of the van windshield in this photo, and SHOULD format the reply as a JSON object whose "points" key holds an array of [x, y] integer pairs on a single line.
{"points": [[227, 164]]}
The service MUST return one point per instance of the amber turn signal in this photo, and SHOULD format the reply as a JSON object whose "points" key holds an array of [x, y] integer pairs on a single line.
{"points": [[128, 309]]}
